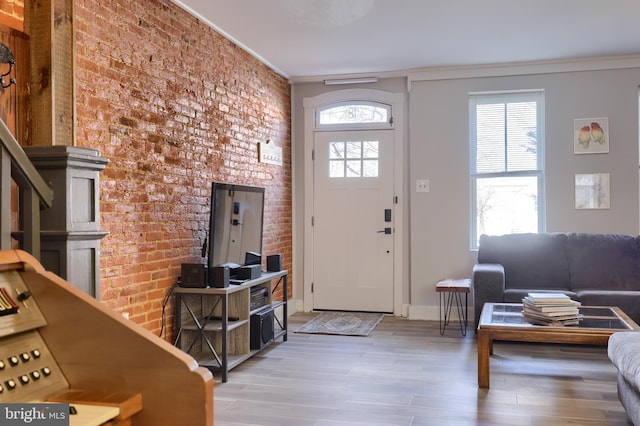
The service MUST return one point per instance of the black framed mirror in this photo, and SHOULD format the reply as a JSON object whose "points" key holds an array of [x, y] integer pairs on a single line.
{"points": [[236, 223]]}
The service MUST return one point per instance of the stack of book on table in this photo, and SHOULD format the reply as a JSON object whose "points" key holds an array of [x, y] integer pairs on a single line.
{"points": [[550, 309]]}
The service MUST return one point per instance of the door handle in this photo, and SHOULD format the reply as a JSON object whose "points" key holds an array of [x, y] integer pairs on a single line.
{"points": [[386, 231]]}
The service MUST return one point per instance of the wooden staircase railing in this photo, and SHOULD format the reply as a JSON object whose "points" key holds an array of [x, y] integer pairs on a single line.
{"points": [[34, 193]]}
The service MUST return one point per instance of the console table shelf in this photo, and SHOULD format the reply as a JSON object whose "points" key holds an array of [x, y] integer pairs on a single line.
{"points": [[215, 325]]}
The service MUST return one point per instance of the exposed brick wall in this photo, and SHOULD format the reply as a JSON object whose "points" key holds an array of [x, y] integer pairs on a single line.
{"points": [[174, 106], [12, 14]]}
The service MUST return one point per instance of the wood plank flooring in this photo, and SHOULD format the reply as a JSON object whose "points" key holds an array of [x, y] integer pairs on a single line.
{"points": [[406, 373]]}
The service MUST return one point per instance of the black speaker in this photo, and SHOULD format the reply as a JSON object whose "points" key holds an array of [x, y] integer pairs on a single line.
{"points": [[220, 276], [249, 272], [261, 328], [274, 263], [193, 275], [252, 258]]}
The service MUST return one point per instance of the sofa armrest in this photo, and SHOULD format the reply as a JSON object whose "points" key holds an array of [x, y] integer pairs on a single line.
{"points": [[488, 286]]}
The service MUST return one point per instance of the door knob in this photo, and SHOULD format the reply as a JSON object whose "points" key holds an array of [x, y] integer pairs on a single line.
{"points": [[386, 231]]}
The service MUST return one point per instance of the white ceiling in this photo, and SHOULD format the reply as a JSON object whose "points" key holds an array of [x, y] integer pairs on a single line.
{"points": [[319, 38]]}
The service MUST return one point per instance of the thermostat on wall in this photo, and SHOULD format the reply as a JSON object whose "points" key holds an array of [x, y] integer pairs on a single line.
{"points": [[269, 153]]}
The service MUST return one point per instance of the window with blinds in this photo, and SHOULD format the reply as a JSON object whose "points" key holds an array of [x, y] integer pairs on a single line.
{"points": [[507, 163]]}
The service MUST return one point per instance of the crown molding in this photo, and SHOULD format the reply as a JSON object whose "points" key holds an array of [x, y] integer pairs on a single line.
{"points": [[524, 68], [491, 70]]}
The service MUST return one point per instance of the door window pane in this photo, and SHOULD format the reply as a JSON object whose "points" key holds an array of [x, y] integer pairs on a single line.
{"points": [[370, 168], [336, 150], [353, 159], [354, 149], [353, 168], [336, 169]]}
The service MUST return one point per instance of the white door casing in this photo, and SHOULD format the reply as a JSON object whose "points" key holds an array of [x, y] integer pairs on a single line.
{"points": [[396, 101]]}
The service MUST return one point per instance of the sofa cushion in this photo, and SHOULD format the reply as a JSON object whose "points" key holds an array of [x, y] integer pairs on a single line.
{"points": [[531, 261], [628, 301], [603, 261]]}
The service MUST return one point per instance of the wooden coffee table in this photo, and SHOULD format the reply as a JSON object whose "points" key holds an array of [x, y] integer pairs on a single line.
{"points": [[504, 321]]}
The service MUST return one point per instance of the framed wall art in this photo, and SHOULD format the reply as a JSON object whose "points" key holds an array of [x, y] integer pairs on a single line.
{"points": [[592, 191], [591, 136]]}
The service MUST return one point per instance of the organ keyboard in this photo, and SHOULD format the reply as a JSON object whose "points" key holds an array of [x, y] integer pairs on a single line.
{"points": [[59, 345]]}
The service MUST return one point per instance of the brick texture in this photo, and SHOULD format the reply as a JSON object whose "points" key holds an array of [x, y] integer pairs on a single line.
{"points": [[174, 106], [12, 14]]}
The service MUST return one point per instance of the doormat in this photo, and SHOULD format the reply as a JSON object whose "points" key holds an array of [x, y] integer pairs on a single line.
{"points": [[342, 323]]}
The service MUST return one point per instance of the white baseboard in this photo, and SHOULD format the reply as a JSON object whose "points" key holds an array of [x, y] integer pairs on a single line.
{"points": [[405, 311], [295, 305], [432, 313], [412, 312]]}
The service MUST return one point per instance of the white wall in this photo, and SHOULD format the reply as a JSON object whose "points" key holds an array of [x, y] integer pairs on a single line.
{"points": [[437, 149]]}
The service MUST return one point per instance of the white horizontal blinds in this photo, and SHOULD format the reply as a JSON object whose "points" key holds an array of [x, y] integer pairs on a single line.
{"points": [[490, 138], [506, 136]]}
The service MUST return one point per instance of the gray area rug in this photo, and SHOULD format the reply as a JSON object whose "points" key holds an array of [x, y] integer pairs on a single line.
{"points": [[342, 323]]}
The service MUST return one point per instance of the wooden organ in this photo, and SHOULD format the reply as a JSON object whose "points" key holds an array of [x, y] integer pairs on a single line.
{"points": [[58, 344]]}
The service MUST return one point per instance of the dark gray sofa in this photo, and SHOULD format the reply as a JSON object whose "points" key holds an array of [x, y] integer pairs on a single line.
{"points": [[595, 269]]}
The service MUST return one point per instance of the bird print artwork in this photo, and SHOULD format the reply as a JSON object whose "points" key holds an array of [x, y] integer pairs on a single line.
{"points": [[597, 133], [591, 135], [584, 138]]}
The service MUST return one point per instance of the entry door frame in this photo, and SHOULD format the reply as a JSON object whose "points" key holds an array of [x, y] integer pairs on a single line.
{"points": [[397, 102]]}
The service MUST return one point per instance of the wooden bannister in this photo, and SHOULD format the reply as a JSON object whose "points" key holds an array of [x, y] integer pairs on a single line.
{"points": [[34, 193]]}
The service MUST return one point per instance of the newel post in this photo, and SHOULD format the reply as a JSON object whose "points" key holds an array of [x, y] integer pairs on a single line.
{"points": [[70, 229]]}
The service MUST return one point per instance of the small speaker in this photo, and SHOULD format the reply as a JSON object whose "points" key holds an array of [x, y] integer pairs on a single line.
{"points": [[252, 258], [249, 272], [220, 276], [274, 263], [193, 275], [261, 329]]}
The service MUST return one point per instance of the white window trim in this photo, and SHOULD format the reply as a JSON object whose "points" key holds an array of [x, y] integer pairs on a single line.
{"points": [[510, 96]]}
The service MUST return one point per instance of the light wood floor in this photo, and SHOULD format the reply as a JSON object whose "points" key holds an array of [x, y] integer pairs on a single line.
{"points": [[406, 373]]}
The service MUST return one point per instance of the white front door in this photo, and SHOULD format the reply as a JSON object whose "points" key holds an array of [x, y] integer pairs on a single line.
{"points": [[353, 221]]}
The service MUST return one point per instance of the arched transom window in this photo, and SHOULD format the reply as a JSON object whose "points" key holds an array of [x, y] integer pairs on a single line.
{"points": [[354, 114]]}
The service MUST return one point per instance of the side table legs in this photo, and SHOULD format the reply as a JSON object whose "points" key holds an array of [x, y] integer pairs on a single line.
{"points": [[446, 304]]}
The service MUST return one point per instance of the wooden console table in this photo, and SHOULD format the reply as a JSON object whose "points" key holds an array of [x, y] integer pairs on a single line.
{"points": [[214, 325]]}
